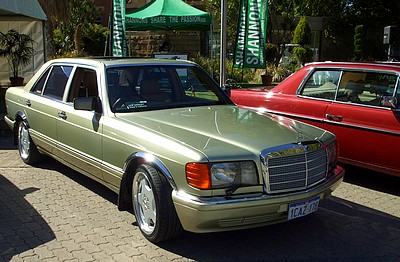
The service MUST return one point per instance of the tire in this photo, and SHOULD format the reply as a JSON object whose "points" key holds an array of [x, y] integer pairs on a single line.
{"points": [[152, 205], [26, 148]]}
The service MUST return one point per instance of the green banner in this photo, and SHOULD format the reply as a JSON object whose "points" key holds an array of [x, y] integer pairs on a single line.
{"points": [[251, 34], [118, 28]]}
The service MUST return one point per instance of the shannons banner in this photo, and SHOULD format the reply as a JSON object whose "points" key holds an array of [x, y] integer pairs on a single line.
{"points": [[118, 28], [251, 34]]}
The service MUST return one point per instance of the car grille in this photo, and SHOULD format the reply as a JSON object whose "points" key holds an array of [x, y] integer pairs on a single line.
{"points": [[294, 167]]}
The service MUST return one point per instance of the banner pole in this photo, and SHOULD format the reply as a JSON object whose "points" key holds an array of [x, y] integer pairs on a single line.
{"points": [[222, 64]]}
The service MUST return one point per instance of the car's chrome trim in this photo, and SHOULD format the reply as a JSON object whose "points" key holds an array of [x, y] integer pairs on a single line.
{"points": [[158, 164], [320, 120], [113, 168], [364, 128], [334, 178], [293, 167]]}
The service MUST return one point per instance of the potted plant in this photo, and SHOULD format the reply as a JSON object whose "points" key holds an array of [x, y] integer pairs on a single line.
{"points": [[271, 52], [18, 50]]}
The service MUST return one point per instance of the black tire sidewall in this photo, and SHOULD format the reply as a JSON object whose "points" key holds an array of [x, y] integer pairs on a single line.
{"points": [[163, 201], [33, 154]]}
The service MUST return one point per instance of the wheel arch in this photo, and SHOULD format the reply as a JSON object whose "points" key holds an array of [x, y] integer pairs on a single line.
{"points": [[19, 116], [130, 165]]}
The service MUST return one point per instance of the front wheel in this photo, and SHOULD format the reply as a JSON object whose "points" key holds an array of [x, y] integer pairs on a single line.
{"points": [[153, 207], [27, 149]]}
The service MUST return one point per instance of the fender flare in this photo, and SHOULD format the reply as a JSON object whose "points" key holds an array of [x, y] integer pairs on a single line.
{"points": [[18, 115], [133, 161]]}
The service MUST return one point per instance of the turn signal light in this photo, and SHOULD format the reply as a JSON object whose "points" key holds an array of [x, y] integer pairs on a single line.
{"points": [[198, 175]]}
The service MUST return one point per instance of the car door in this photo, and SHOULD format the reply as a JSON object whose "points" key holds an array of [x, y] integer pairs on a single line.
{"points": [[42, 106], [368, 133], [80, 132], [313, 97]]}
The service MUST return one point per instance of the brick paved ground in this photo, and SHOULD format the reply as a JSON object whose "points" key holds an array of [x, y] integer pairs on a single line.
{"points": [[51, 213]]}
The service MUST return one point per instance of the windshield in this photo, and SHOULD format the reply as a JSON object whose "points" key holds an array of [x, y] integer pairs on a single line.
{"points": [[140, 88]]}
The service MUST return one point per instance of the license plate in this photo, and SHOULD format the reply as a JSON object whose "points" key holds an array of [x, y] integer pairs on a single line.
{"points": [[301, 209]]}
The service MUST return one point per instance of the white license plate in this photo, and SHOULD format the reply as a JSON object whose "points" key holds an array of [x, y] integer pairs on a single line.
{"points": [[301, 209]]}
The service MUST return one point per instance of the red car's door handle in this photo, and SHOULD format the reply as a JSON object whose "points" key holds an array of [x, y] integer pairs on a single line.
{"points": [[334, 117]]}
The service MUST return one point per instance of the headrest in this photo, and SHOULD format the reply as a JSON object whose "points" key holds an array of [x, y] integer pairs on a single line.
{"points": [[150, 86], [355, 87]]}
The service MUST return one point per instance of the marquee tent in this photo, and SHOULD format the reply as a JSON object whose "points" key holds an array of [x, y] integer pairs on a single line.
{"points": [[168, 15], [27, 17]]}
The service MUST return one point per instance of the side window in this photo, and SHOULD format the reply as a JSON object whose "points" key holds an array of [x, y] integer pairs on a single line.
{"points": [[84, 84], [57, 81], [322, 84], [38, 88], [366, 87]]}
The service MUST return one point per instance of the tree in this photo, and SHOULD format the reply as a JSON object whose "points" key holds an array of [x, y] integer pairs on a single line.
{"points": [[82, 13], [55, 11], [214, 7], [373, 15], [68, 30]]}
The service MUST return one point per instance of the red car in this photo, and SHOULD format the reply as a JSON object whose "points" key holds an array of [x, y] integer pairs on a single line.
{"points": [[358, 102]]}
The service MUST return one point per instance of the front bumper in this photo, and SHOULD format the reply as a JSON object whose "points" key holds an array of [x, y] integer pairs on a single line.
{"points": [[212, 215]]}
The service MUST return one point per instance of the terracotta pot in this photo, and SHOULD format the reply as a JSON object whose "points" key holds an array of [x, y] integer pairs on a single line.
{"points": [[17, 81], [266, 79]]}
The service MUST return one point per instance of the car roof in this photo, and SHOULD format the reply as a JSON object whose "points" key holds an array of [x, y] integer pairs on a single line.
{"points": [[121, 61], [358, 65]]}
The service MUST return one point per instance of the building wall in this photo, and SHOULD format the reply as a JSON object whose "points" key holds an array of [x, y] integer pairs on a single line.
{"points": [[146, 43]]}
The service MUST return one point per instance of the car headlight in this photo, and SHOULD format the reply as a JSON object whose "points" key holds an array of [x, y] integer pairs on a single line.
{"points": [[221, 175]]}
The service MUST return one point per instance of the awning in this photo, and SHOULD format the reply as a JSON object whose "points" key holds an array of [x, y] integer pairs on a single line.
{"points": [[168, 15], [30, 8]]}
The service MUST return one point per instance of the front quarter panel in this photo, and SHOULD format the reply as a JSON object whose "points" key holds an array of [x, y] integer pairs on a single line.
{"points": [[123, 141]]}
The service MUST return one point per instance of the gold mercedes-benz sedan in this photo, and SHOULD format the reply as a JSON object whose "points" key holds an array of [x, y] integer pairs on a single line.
{"points": [[169, 141]]}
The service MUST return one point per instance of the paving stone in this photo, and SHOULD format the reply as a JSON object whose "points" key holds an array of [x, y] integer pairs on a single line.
{"points": [[56, 214]]}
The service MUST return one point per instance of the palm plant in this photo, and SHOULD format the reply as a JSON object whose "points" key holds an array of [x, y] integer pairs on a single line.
{"points": [[17, 49]]}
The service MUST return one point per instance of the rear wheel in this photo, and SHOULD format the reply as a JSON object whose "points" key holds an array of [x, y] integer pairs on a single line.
{"points": [[153, 207], [27, 149]]}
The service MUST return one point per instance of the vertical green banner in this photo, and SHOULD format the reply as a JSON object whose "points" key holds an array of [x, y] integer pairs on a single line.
{"points": [[251, 34], [118, 28]]}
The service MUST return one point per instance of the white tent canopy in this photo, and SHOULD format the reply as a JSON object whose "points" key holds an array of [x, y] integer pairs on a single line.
{"points": [[27, 17]]}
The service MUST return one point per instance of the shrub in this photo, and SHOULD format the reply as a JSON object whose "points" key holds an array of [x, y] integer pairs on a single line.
{"points": [[303, 54], [359, 40], [94, 38], [271, 53], [212, 67], [302, 33]]}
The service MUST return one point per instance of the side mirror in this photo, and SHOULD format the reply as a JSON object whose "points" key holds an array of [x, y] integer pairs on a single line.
{"points": [[88, 104], [389, 101]]}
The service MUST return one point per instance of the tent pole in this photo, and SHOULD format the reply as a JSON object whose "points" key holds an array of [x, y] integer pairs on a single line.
{"points": [[222, 63]]}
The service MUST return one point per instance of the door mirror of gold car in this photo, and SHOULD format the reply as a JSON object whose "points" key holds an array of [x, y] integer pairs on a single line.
{"points": [[88, 104]]}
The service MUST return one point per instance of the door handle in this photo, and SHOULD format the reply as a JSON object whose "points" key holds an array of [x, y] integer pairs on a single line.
{"points": [[62, 115], [28, 103], [336, 118]]}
